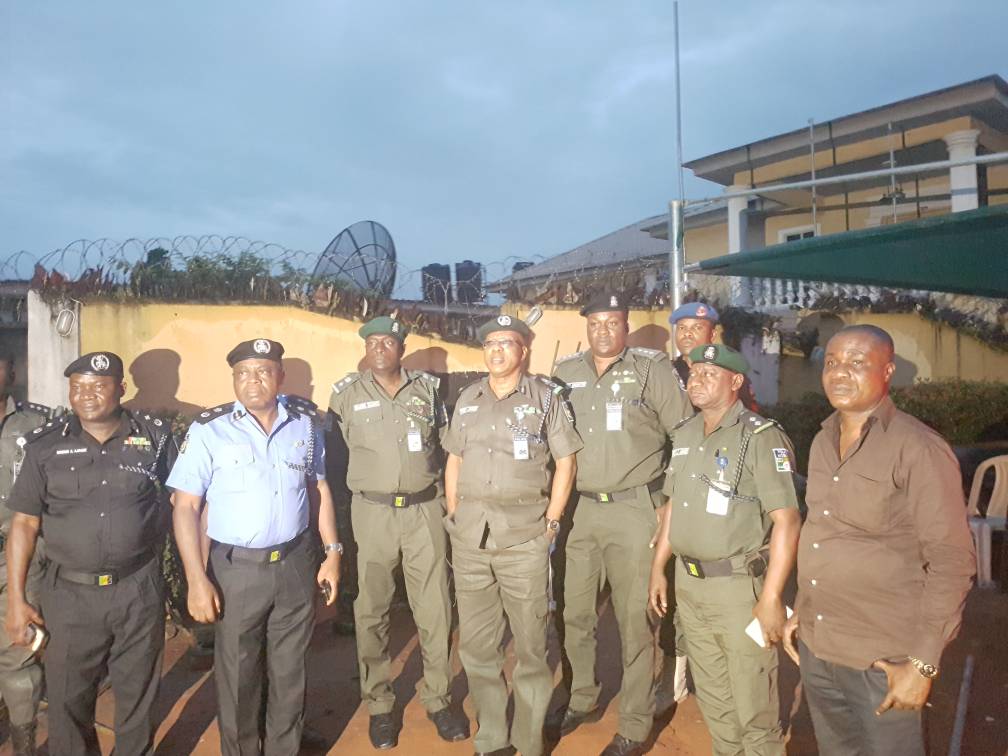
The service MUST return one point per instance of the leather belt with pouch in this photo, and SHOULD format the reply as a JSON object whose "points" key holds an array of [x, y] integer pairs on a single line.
{"points": [[754, 565], [627, 494], [401, 500]]}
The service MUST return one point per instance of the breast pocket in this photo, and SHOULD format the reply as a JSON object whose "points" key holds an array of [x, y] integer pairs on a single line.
{"points": [[67, 478], [867, 503], [367, 423], [233, 464]]}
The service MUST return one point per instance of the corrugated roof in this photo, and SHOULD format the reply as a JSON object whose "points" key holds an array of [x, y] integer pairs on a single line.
{"points": [[628, 244]]}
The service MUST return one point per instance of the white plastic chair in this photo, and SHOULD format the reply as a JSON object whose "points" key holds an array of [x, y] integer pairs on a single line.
{"points": [[997, 514]]}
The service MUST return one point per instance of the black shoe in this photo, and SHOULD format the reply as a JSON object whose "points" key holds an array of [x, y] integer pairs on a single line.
{"points": [[383, 731], [620, 746], [505, 751], [451, 726], [23, 739], [572, 719]]}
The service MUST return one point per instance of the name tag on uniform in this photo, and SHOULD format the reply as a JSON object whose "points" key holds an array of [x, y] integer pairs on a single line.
{"points": [[682, 451], [613, 416], [717, 501], [577, 384], [467, 410], [521, 448], [413, 441], [365, 405]]}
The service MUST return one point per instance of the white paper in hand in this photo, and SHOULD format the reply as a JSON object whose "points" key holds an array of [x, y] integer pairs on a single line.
{"points": [[754, 631]]}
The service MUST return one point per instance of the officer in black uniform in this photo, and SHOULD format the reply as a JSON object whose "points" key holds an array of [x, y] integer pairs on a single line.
{"points": [[93, 481]]}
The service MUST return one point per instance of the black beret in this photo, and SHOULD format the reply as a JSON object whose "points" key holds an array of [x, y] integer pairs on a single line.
{"points": [[256, 349], [607, 301], [96, 363], [504, 323], [720, 355]]}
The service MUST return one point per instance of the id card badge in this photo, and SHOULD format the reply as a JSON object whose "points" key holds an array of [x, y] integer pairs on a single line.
{"points": [[413, 441], [521, 448], [613, 416], [717, 501]]}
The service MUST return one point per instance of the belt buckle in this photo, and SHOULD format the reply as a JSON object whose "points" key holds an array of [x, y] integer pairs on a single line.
{"points": [[106, 579], [604, 498], [400, 501], [693, 567], [274, 556]]}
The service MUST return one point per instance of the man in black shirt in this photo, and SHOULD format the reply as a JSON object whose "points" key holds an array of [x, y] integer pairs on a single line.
{"points": [[93, 480]]}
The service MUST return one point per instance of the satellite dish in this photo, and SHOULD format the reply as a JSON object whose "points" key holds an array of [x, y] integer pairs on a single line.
{"points": [[362, 255]]}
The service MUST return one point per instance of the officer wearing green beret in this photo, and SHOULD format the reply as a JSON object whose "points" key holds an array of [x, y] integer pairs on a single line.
{"points": [[504, 508], [392, 420], [732, 520], [20, 672]]}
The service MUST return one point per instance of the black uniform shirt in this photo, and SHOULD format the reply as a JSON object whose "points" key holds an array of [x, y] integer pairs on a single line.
{"points": [[99, 503]]}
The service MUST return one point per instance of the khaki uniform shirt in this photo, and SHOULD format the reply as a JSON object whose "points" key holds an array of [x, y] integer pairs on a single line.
{"points": [[19, 420], [506, 446], [624, 416], [394, 442], [885, 557], [757, 462]]}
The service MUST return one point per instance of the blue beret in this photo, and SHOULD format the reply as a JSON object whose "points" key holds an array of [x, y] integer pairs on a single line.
{"points": [[698, 310]]}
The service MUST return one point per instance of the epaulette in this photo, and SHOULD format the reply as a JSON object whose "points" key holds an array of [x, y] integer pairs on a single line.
{"points": [[651, 354], [553, 386], [152, 419], [431, 379], [568, 357], [759, 423], [44, 430], [301, 405], [345, 383], [40, 409], [213, 413], [682, 422]]}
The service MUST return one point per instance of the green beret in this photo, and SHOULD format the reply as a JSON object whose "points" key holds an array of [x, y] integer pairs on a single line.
{"points": [[504, 323], [720, 355], [383, 325]]}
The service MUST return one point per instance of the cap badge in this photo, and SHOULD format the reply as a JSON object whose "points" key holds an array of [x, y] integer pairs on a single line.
{"points": [[701, 311], [100, 362], [395, 327], [709, 353], [504, 320], [261, 346], [613, 302]]}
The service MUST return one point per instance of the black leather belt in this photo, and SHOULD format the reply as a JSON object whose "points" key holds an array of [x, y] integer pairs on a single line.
{"points": [[106, 577], [268, 555], [754, 564], [626, 494], [400, 500]]}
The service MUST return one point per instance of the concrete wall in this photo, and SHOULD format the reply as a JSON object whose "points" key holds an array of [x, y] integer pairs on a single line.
{"points": [[48, 352]]}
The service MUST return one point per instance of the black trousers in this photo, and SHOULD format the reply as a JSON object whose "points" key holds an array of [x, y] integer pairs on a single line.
{"points": [[260, 649], [93, 629], [842, 702]]}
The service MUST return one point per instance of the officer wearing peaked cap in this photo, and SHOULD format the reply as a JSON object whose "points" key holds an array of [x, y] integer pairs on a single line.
{"points": [[732, 524], [392, 420], [259, 464], [20, 671], [626, 401], [93, 481]]}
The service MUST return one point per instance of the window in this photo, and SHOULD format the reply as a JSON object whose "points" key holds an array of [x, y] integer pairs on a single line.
{"points": [[797, 233]]}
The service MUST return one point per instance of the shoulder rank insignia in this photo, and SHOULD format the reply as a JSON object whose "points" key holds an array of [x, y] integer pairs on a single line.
{"points": [[214, 412], [431, 379], [651, 354], [568, 357], [300, 405], [343, 384]]}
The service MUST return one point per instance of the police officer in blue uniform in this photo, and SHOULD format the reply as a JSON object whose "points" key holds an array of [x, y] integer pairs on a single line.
{"points": [[93, 482], [259, 464]]}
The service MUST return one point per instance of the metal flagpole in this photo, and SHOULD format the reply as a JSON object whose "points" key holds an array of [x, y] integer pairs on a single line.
{"points": [[677, 257]]}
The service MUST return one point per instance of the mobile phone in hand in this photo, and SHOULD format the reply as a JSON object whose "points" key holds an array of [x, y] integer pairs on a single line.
{"points": [[39, 636]]}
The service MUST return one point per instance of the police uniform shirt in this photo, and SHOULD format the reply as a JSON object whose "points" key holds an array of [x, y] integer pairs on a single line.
{"points": [[709, 526], [255, 483], [19, 420], [101, 504], [624, 416], [505, 445], [394, 442]]}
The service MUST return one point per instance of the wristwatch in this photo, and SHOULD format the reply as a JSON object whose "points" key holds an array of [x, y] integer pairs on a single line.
{"points": [[553, 525], [928, 670], [331, 547]]}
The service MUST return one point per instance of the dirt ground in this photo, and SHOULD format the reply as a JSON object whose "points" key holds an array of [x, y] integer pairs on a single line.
{"points": [[187, 701]]}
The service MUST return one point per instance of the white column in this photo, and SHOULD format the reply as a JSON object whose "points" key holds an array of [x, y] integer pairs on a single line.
{"points": [[963, 178], [741, 294]]}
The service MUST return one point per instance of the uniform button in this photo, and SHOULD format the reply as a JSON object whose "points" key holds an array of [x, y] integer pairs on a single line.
{"points": [[101, 514], [589, 430], [815, 545], [72, 468], [104, 482], [593, 406], [813, 581], [701, 448], [693, 475], [685, 504], [836, 478], [489, 451], [819, 617], [825, 513], [396, 422], [102, 451]]}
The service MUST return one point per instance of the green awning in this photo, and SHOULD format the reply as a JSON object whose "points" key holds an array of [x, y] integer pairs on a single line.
{"points": [[962, 253]]}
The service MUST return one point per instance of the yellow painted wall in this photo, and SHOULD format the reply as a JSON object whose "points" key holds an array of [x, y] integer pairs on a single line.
{"points": [[175, 353]]}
